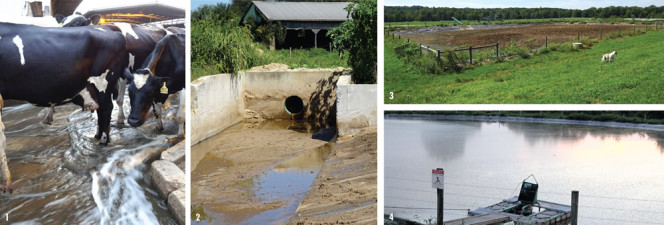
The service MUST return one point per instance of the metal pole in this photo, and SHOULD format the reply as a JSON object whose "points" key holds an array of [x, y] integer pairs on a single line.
{"points": [[440, 194], [575, 207]]}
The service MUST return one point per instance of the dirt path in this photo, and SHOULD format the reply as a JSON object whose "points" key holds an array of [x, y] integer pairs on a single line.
{"points": [[345, 191]]}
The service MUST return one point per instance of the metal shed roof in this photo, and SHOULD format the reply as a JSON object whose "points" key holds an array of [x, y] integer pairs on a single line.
{"points": [[303, 11]]}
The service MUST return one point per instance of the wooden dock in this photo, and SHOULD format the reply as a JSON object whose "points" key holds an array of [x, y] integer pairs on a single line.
{"points": [[544, 213]]}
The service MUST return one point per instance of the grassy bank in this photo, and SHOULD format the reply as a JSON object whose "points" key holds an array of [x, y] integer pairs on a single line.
{"points": [[639, 117], [554, 77]]}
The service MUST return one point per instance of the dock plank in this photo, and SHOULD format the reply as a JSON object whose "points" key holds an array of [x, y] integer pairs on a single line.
{"points": [[480, 220]]}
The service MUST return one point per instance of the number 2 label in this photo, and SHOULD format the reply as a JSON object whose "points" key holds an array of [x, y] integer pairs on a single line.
{"points": [[198, 217]]}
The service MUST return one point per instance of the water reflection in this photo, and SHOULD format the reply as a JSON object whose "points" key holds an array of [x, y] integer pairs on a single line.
{"points": [[453, 146], [484, 162]]}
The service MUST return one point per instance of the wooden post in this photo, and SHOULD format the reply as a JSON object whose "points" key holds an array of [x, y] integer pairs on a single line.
{"points": [[575, 207], [635, 29], [471, 54], [546, 42], [420, 48], [290, 52], [578, 37], [407, 40], [600, 34], [496, 50], [439, 206], [438, 54]]}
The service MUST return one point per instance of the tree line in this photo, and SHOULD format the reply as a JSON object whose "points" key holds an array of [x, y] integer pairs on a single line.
{"points": [[422, 13]]}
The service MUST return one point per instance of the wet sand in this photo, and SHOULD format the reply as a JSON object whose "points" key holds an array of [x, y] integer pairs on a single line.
{"points": [[267, 174], [232, 172], [345, 190]]}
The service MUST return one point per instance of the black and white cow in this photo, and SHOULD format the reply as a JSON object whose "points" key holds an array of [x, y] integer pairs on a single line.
{"points": [[161, 76], [49, 66], [140, 41], [77, 20]]}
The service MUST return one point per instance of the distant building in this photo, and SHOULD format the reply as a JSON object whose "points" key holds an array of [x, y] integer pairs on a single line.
{"points": [[307, 23]]}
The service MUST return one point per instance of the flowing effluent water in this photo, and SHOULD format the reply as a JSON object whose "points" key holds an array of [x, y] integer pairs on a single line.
{"points": [[117, 193], [55, 184]]}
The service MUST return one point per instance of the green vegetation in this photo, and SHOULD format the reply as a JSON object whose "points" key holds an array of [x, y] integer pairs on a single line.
{"points": [[219, 44], [646, 117], [420, 13], [556, 75], [359, 36]]}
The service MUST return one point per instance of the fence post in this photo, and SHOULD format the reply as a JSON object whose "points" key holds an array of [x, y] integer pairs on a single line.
{"points": [[578, 37], [471, 54], [440, 199], [496, 50], [600, 34], [438, 54], [634, 29], [575, 207], [420, 48], [407, 40], [546, 42]]}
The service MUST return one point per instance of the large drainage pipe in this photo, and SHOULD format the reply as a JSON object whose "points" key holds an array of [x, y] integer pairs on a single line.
{"points": [[294, 105]]}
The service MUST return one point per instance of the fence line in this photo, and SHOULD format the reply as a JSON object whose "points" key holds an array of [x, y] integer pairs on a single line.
{"points": [[546, 42]]}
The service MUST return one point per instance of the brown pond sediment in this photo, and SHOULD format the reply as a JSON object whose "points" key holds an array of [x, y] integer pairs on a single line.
{"points": [[556, 33], [254, 173]]}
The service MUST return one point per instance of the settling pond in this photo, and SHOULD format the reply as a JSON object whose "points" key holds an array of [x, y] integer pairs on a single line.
{"points": [[619, 172]]}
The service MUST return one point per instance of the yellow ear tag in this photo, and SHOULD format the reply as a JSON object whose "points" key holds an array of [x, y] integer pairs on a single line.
{"points": [[164, 89]]}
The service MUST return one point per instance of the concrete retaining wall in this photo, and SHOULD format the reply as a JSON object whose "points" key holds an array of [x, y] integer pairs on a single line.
{"points": [[356, 108], [216, 103], [265, 92]]}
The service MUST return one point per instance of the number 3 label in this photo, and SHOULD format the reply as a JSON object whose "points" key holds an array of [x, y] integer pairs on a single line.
{"points": [[391, 95]]}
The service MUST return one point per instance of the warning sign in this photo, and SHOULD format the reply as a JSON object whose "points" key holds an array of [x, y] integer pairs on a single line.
{"points": [[437, 178]]}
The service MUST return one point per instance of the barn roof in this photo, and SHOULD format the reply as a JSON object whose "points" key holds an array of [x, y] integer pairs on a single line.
{"points": [[303, 11]]}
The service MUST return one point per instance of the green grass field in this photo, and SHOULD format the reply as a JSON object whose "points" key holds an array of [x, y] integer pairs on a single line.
{"points": [[636, 77]]}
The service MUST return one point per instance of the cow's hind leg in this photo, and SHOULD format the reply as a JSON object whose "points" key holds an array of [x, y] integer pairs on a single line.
{"points": [[5, 176], [120, 100], [48, 119]]}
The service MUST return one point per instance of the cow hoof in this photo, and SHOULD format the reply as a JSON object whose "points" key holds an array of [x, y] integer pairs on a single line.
{"points": [[47, 122], [104, 144], [98, 136]]}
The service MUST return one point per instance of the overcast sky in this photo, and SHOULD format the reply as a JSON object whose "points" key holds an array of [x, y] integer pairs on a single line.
{"points": [[196, 3], [566, 4]]}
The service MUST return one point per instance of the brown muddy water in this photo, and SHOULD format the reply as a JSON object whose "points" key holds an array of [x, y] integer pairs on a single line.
{"points": [[270, 182], [619, 172], [55, 183]]}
